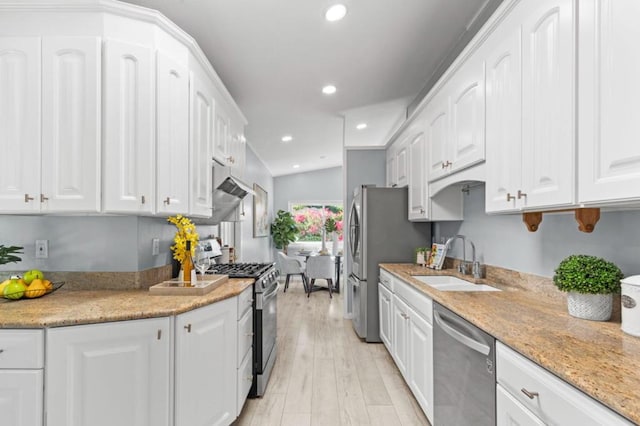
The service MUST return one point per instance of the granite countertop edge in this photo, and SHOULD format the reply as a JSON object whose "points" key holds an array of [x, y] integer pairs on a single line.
{"points": [[595, 357], [78, 307]]}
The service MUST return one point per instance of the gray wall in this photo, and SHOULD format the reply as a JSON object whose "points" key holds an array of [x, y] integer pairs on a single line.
{"points": [[317, 185], [88, 243], [256, 249], [503, 240]]}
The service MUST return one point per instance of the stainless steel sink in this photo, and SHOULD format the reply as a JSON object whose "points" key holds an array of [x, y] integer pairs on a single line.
{"points": [[449, 283]]}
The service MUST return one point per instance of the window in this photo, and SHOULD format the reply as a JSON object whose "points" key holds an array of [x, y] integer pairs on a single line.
{"points": [[311, 218]]}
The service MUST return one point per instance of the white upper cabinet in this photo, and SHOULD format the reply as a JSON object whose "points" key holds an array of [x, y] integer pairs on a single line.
{"points": [[172, 136], [609, 121], [402, 163], [531, 108], [391, 179], [504, 117], [129, 128], [20, 124], [50, 124], [548, 100], [71, 123], [222, 142], [455, 121], [201, 146], [418, 188]]}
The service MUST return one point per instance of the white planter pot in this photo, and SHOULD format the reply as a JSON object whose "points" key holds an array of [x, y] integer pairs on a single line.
{"points": [[594, 307]]}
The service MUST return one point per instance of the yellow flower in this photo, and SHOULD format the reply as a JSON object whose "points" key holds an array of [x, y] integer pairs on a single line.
{"points": [[186, 232]]}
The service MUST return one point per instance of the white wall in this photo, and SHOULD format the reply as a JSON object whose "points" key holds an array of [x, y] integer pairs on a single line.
{"points": [[503, 240], [317, 185], [256, 249]]}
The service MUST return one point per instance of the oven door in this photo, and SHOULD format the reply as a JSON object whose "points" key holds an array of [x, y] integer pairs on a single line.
{"points": [[266, 310]]}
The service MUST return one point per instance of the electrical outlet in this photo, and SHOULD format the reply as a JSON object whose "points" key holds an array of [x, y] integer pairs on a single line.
{"points": [[42, 249], [155, 247]]}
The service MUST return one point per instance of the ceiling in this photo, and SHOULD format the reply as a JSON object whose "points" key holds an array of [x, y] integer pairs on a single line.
{"points": [[275, 56]]}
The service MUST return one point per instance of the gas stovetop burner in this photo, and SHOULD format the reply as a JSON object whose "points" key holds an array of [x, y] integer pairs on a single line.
{"points": [[240, 270]]}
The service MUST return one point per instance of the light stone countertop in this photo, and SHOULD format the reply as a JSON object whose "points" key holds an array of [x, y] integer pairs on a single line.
{"points": [[595, 357], [73, 307]]}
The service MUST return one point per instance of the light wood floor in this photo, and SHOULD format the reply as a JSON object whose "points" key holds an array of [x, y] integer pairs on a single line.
{"points": [[325, 375]]}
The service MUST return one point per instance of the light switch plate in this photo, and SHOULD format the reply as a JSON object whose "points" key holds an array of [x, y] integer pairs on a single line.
{"points": [[155, 247], [42, 249]]}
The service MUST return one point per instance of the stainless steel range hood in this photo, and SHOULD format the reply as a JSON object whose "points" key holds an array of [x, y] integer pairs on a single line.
{"points": [[228, 192]]}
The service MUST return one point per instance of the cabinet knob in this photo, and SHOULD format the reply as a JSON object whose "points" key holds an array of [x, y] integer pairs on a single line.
{"points": [[27, 198], [167, 200], [188, 328], [143, 199], [510, 197], [531, 395], [43, 198], [521, 194]]}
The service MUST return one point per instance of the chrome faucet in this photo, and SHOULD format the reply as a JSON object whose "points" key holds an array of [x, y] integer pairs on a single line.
{"points": [[462, 266]]}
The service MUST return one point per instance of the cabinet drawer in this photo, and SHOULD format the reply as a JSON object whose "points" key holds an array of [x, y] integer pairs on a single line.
{"points": [[511, 412], [557, 402], [386, 279], [245, 380], [420, 302], [245, 301], [21, 349], [245, 334]]}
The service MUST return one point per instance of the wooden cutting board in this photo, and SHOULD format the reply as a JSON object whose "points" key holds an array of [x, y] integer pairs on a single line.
{"points": [[205, 284]]}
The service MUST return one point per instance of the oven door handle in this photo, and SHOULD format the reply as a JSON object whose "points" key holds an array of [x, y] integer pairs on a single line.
{"points": [[461, 338], [272, 293]]}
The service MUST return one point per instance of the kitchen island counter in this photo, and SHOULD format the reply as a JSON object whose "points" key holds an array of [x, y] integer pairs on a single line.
{"points": [[595, 357], [73, 307]]}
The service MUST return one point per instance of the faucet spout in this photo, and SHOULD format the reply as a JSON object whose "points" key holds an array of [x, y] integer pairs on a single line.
{"points": [[462, 267]]}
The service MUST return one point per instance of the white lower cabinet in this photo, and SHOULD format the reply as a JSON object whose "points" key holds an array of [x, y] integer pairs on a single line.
{"points": [[21, 377], [406, 331], [109, 374], [205, 372], [244, 378], [527, 394]]}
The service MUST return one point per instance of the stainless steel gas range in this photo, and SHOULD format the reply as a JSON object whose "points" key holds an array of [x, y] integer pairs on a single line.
{"points": [[265, 299]]}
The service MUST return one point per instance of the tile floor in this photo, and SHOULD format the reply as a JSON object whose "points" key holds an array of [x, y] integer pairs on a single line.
{"points": [[325, 375]]}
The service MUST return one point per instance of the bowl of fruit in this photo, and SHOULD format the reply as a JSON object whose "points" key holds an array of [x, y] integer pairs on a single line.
{"points": [[30, 286]]}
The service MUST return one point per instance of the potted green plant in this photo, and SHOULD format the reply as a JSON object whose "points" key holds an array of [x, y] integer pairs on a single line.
{"points": [[283, 230], [8, 254], [590, 282]]}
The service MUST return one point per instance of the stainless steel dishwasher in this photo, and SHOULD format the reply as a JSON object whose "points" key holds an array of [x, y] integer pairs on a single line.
{"points": [[464, 373]]}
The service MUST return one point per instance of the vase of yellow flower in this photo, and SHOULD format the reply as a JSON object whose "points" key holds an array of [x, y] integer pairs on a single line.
{"points": [[184, 245]]}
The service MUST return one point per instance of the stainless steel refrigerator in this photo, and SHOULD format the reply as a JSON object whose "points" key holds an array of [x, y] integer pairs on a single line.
{"points": [[379, 232]]}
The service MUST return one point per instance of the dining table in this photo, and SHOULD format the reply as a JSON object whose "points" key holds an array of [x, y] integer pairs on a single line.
{"points": [[338, 265]]}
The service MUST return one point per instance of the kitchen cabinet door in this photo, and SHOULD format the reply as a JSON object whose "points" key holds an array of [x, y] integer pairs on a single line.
{"points": [[402, 163], [504, 117], [609, 120], [222, 136], [467, 93], [129, 143], [109, 374], [400, 334], [420, 366], [385, 308], [392, 181], [201, 147], [238, 154], [71, 118], [206, 365], [172, 111], [418, 188], [437, 135], [21, 397], [20, 124], [548, 103]]}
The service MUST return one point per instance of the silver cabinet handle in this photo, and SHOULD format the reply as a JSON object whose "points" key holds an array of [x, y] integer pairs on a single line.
{"points": [[27, 198], [421, 211], [188, 328], [531, 395], [43, 198], [521, 194], [510, 197], [143, 199], [167, 200]]}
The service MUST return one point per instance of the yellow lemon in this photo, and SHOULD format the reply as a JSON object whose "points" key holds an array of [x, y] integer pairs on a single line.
{"points": [[3, 285]]}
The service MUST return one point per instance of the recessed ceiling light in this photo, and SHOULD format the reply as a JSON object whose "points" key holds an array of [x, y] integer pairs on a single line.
{"points": [[329, 89], [361, 126], [335, 12], [287, 138], [296, 166]]}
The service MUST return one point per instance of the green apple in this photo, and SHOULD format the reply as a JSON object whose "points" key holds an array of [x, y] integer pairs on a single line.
{"points": [[32, 275], [14, 290]]}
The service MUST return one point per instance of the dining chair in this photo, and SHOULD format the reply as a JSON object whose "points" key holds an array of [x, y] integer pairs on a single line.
{"points": [[290, 266], [320, 267]]}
